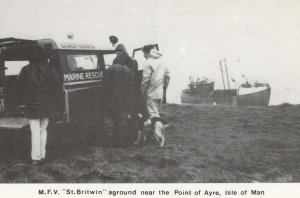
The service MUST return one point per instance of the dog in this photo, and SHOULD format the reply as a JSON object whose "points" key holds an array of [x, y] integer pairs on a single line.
{"points": [[157, 132]]}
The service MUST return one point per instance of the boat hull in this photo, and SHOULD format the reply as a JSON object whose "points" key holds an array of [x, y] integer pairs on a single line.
{"points": [[195, 99], [229, 98], [259, 98], [225, 97]]}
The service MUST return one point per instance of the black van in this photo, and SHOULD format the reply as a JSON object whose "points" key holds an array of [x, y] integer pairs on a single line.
{"points": [[81, 68]]}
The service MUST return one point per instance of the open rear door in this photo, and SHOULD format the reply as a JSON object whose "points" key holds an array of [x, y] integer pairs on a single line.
{"points": [[12, 58], [137, 50]]}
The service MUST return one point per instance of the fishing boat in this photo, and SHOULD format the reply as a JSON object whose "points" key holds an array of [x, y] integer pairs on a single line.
{"points": [[203, 92]]}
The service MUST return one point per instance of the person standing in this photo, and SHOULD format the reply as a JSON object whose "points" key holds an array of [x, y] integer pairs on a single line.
{"points": [[119, 86], [36, 84], [155, 79], [139, 110]]}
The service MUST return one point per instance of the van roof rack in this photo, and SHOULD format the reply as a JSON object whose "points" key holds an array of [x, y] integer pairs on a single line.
{"points": [[15, 41]]}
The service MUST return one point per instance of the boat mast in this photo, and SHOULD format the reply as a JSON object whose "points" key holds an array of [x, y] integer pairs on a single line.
{"points": [[227, 73], [221, 68]]}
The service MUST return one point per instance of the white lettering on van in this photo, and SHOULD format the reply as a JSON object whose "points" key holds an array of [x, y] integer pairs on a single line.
{"points": [[73, 77], [83, 76], [93, 75], [77, 46]]}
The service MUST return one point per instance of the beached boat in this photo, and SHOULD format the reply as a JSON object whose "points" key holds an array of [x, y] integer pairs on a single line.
{"points": [[202, 92], [198, 92]]}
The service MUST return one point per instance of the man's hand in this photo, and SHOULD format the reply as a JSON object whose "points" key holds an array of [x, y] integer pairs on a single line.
{"points": [[166, 82]]}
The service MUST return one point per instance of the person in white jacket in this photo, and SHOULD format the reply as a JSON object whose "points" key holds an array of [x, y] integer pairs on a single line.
{"points": [[155, 79]]}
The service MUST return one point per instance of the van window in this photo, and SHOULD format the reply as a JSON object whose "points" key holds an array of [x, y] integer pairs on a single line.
{"points": [[82, 62], [14, 67], [108, 58]]}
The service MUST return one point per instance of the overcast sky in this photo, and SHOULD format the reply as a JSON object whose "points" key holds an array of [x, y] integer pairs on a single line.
{"points": [[258, 38]]}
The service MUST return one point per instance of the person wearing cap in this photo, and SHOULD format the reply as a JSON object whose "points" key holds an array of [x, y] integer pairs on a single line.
{"points": [[155, 79]]}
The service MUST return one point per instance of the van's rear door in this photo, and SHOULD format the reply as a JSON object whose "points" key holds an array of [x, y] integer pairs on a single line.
{"points": [[13, 56], [138, 55]]}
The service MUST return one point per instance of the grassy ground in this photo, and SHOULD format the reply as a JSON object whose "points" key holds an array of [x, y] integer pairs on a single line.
{"points": [[205, 144]]}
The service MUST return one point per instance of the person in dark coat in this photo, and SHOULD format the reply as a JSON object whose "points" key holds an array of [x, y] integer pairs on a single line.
{"points": [[36, 86], [123, 58], [139, 108], [119, 83]]}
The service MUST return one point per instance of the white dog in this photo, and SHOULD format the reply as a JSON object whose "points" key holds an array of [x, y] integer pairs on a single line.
{"points": [[158, 132]]}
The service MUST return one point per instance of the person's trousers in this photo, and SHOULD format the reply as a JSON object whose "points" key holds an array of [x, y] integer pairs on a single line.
{"points": [[38, 129], [153, 107]]}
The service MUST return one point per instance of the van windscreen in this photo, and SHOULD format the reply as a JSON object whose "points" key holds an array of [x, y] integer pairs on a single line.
{"points": [[82, 62]]}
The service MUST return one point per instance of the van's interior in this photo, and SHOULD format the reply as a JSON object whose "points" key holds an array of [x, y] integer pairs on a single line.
{"points": [[13, 59]]}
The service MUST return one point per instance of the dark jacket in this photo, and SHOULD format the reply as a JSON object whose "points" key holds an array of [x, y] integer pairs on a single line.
{"points": [[119, 85], [37, 87], [125, 59]]}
